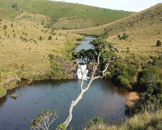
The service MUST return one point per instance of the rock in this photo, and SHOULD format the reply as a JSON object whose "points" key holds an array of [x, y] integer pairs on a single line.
{"points": [[14, 95], [69, 68]]}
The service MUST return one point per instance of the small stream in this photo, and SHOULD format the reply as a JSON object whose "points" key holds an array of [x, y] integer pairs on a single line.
{"points": [[103, 99]]}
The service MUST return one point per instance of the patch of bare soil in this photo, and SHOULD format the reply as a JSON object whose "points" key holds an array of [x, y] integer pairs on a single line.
{"points": [[131, 99]]}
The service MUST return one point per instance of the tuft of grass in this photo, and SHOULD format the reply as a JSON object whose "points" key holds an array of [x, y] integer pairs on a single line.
{"points": [[141, 121]]}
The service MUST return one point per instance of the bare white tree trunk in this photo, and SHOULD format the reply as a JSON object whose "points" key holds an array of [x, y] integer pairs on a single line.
{"points": [[74, 103]]}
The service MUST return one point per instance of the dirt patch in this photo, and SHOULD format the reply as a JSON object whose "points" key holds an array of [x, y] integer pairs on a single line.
{"points": [[131, 99]]}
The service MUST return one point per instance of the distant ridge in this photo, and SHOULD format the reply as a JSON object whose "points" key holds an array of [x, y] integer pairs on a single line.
{"points": [[144, 29], [65, 15]]}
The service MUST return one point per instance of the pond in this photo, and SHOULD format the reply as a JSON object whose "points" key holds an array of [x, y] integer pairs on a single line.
{"points": [[103, 100]]}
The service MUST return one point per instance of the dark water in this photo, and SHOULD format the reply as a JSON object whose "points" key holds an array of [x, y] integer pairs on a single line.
{"points": [[101, 100]]}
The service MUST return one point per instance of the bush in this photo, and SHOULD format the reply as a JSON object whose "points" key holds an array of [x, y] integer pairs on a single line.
{"points": [[120, 68], [125, 36], [50, 38], [132, 70], [123, 81], [90, 124], [110, 45], [158, 43], [40, 38], [150, 76], [4, 27]]}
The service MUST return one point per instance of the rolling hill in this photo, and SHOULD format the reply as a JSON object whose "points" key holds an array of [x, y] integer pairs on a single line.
{"points": [[144, 30], [61, 15]]}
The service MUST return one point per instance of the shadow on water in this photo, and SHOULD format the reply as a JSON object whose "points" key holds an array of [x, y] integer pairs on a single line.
{"points": [[3, 100], [113, 89]]}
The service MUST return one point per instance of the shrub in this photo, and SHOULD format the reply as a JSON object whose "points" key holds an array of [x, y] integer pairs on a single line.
{"points": [[51, 56], [40, 38], [132, 70], [14, 35], [125, 36], [120, 68], [61, 127], [98, 120], [150, 75], [158, 43], [4, 27], [50, 38], [128, 49], [90, 124], [123, 81], [110, 45]]}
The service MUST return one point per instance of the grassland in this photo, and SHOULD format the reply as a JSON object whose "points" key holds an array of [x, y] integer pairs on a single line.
{"points": [[61, 14], [25, 46], [30, 33], [144, 29]]}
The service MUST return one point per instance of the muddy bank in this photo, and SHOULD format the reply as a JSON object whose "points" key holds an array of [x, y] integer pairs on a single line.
{"points": [[131, 99]]}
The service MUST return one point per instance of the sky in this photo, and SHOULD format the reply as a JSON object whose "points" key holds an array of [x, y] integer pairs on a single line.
{"points": [[126, 5]]}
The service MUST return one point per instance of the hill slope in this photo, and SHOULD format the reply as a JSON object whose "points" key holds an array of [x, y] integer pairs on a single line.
{"points": [[144, 29], [65, 15]]}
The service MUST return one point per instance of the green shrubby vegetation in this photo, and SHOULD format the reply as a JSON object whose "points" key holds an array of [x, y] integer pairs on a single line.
{"points": [[2, 92], [124, 75], [125, 36], [158, 43], [95, 123]]}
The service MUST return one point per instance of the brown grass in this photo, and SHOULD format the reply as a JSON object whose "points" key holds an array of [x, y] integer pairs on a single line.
{"points": [[131, 99], [142, 121], [33, 57], [144, 29]]}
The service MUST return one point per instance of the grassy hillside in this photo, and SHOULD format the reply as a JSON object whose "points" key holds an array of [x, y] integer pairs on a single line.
{"points": [[80, 16], [144, 29], [25, 46]]}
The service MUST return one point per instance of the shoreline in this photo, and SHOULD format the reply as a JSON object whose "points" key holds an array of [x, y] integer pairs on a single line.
{"points": [[131, 99]]}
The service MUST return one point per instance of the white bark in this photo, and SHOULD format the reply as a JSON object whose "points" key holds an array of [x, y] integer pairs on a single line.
{"points": [[82, 91]]}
